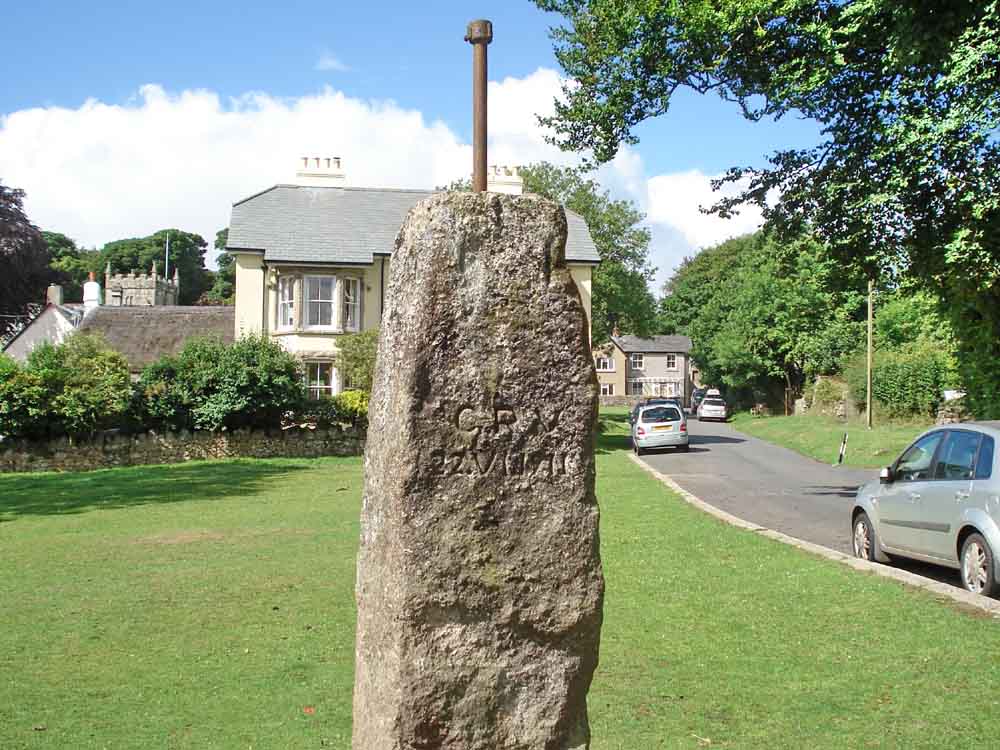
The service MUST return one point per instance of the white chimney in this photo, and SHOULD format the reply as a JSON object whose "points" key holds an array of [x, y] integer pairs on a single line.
{"points": [[319, 171], [91, 293], [504, 179], [54, 294]]}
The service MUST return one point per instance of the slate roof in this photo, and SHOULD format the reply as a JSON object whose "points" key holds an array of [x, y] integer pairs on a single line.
{"points": [[653, 344], [144, 334], [293, 223]]}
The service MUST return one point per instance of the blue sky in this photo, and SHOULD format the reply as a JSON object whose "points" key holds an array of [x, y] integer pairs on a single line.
{"points": [[61, 55]]}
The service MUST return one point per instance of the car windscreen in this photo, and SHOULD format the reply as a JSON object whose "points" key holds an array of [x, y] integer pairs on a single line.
{"points": [[714, 402], [660, 414]]}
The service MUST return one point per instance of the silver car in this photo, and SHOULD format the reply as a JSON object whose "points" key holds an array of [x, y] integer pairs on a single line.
{"points": [[712, 407], [938, 502], [662, 426]]}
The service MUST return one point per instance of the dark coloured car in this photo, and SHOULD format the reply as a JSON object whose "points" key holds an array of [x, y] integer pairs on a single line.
{"points": [[697, 396]]}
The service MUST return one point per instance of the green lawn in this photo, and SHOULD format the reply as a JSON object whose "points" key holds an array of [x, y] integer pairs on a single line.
{"points": [[819, 437], [209, 605]]}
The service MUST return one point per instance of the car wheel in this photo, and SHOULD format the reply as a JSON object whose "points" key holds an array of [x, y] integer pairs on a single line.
{"points": [[863, 538], [977, 566]]}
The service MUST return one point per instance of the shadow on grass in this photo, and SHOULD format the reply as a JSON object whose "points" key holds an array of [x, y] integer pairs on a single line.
{"points": [[613, 434], [81, 492]]}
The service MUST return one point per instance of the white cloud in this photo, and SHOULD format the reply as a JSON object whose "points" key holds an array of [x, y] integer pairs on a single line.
{"points": [[676, 200], [107, 171], [329, 61]]}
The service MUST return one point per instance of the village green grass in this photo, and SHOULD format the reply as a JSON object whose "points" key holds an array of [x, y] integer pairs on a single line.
{"points": [[819, 437], [209, 605]]}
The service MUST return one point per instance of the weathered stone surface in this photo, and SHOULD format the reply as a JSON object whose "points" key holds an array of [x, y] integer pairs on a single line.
{"points": [[479, 577]]}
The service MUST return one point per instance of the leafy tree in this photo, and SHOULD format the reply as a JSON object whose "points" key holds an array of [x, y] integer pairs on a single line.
{"points": [[24, 260], [209, 385], [620, 294], [187, 255], [222, 290], [71, 264], [908, 99], [762, 312], [86, 385], [355, 360]]}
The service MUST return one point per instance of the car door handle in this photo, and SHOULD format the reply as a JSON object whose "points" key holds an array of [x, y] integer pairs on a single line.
{"points": [[915, 497], [961, 495]]}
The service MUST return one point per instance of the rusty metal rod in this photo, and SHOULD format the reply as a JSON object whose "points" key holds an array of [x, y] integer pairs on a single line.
{"points": [[479, 34]]}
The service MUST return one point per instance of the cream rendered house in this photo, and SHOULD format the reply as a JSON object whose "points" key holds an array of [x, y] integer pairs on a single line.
{"points": [[312, 260]]}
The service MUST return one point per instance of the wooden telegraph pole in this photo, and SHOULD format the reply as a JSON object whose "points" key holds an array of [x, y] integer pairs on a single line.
{"points": [[479, 35], [868, 386]]}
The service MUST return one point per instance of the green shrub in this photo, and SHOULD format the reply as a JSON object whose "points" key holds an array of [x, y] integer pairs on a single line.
{"points": [[22, 400], [906, 381], [86, 386], [212, 386], [827, 393], [353, 406], [355, 359]]}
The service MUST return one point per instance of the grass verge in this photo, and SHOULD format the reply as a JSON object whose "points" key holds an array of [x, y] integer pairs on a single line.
{"points": [[210, 606], [819, 437]]}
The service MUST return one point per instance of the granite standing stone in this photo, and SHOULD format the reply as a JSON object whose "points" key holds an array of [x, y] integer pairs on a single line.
{"points": [[479, 576]]}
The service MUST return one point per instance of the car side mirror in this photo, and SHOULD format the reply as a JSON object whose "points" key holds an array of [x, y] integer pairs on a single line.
{"points": [[886, 476]]}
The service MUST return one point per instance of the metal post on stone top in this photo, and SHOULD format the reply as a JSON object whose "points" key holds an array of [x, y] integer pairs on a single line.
{"points": [[479, 34]]}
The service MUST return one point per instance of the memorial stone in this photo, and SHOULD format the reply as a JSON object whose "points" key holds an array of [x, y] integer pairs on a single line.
{"points": [[479, 584]]}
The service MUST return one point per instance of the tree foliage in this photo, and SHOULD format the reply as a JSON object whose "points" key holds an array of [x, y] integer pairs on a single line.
{"points": [[187, 255], [24, 259], [71, 264], [620, 294], [907, 94], [761, 312], [221, 283]]}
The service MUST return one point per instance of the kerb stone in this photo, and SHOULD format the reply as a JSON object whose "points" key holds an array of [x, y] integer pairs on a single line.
{"points": [[479, 584]]}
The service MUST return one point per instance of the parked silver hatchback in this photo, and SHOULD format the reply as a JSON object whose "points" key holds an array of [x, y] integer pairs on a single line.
{"points": [[938, 502], [660, 427]]}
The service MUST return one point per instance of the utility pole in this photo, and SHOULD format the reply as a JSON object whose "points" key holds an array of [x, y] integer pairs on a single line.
{"points": [[868, 386], [166, 261], [479, 34]]}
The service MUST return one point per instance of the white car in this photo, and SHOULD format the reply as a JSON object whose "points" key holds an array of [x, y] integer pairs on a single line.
{"points": [[661, 426], [713, 407]]}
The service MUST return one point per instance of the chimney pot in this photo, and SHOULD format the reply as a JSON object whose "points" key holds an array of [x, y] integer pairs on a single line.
{"points": [[54, 294]]}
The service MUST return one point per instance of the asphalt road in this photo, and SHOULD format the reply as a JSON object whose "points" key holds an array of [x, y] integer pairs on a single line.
{"points": [[773, 487]]}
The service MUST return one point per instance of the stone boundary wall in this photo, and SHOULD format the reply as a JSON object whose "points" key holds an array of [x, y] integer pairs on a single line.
{"points": [[620, 400], [110, 449]]}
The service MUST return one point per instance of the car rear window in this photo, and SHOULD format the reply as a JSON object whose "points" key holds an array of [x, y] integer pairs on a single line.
{"points": [[660, 414], [714, 402]]}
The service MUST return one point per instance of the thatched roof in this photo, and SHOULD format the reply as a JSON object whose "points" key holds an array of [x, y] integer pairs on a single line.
{"points": [[144, 334]]}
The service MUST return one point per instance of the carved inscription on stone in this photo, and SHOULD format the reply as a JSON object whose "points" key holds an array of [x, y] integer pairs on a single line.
{"points": [[499, 441]]}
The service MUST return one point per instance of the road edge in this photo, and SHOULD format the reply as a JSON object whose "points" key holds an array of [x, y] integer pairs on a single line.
{"points": [[961, 596]]}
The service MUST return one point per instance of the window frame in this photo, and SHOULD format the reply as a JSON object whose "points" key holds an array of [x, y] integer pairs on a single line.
{"points": [[346, 281], [631, 388], [307, 302], [610, 389], [637, 357], [289, 304], [610, 361], [672, 361], [332, 387]]}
